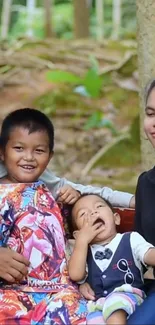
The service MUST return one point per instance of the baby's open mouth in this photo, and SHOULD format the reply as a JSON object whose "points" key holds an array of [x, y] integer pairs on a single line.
{"points": [[99, 220]]}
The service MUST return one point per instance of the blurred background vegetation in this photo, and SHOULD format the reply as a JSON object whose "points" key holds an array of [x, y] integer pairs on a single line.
{"points": [[63, 21], [77, 61]]}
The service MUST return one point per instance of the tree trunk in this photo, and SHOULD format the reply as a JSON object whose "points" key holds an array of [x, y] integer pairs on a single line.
{"points": [[146, 58], [31, 5], [100, 19], [81, 18], [116, 19], [6, 14], [48, 23]]}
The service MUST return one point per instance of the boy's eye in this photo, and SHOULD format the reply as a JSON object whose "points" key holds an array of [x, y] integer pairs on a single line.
{"points": [[40, 150], [18, 148], [100, 206]]}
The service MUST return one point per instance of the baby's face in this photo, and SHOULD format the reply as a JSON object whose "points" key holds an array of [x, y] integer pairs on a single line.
{"points": [[94, 207]]}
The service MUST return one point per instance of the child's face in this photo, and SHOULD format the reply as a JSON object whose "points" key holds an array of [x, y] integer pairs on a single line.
{"points": [[92, 206], [149, 120], [26, 155]]}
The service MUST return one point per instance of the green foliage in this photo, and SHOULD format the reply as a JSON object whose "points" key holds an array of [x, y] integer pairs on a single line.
{"points": [[120, 154], [61, 98], [90, 84], [59, 76], [128, 14], [97, 120], [62, 19], [20, 27], [94, 120]]}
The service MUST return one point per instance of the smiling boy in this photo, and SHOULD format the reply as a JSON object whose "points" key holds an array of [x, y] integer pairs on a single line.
{"points": [[68, 192]]}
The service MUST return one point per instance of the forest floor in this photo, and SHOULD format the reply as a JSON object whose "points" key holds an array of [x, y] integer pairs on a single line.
{"points": [[74, 145]]}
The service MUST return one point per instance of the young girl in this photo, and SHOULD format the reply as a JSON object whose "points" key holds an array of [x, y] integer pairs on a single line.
{"points": [[35, 286], [144, 219]]}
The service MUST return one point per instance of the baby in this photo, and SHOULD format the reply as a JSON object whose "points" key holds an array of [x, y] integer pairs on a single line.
{"points": [[111, 262]]}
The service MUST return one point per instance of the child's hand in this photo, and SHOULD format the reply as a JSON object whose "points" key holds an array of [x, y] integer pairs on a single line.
{"points": [[89, 230], [68, 194], [87, 291], [13, 266]]}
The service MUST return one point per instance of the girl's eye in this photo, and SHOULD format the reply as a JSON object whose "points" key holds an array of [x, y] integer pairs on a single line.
{"points": [[100, 206], [82, 214], [150, 113]]}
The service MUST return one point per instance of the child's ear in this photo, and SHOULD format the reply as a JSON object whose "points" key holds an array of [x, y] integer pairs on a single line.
{"points": [[51, 155], [1, 155], [117, 219], [75, 233]]}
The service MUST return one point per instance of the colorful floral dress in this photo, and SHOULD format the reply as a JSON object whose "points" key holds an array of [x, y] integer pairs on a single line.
{"points": [[32, 225]]}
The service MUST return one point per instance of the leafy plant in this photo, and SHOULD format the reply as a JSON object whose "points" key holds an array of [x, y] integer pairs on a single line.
{"points": [[90, 85], [59, 76], [97, 120]]}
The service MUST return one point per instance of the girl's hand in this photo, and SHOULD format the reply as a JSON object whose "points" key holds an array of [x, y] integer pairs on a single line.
{"points": [[13, 266], [68, 194], [87, 291]]}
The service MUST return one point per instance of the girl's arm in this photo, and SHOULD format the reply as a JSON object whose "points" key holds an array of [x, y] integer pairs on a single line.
{"points": [[116, 198], [137, 223], [142, 250], [149, 257]]}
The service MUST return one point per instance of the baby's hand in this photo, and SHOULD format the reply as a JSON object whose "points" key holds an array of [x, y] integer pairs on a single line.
{"points": [[89, 230], [68, 194], [87, 291]]}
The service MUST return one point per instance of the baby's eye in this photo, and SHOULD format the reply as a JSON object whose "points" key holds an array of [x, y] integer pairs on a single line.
{"points": [[82, 214], [100, 206]]}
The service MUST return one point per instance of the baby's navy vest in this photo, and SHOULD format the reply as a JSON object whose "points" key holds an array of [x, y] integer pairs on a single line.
{"points": [[121, 270]]}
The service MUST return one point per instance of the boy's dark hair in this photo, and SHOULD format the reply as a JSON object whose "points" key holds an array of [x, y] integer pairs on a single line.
{"points": [[70, 221], [30, 119]]}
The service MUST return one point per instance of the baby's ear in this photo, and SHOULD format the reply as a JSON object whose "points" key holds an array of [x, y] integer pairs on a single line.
{"points": [[117, 219], [75, 233]]}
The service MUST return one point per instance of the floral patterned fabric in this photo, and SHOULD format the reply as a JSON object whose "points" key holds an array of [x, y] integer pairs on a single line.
{"points": [[32, 225]]}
